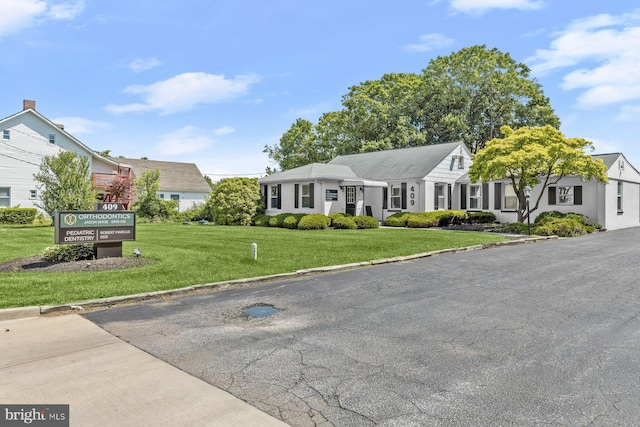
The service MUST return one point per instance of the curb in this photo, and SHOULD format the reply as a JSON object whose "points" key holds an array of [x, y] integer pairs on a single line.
{"points": [[35, 311]]}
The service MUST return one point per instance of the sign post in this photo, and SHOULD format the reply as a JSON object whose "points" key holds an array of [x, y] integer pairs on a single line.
{"points": [[105, 229]]}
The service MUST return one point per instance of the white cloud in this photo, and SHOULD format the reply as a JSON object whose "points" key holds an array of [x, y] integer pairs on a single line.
{"points": [[480, 6], [224, 130], [184, 141], [80, 126], [607, 50], [184, 92], [428, 42], [142, 64], [16, 15]]}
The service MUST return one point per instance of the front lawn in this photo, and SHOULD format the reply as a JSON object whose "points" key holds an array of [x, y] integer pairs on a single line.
{"points": [[195, 254]]}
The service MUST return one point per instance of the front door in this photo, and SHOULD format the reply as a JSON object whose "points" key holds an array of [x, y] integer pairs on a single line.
{"points": [[351, 200]]}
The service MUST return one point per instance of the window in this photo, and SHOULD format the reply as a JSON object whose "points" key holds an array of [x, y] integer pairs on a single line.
{"points": [[475, 197], [307, 195], [175, 197], [396, 197], [619, 197], [510, 198], [52, 138], [5, 197], [460, 162], [439, 197], [5, 134], [565, 195], [161, 195], [33, 194], [275, 196]]}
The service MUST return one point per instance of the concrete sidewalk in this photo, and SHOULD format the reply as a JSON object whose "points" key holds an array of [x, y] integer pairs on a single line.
{"points": [[107, 382]]}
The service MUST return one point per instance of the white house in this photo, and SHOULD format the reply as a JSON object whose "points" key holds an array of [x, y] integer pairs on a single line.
{"points": [[26, 138], [178, 181], [377, 183], [435, 177]]}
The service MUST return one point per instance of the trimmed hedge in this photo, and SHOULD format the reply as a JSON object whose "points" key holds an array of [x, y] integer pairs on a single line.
{"points": [[398, 219], [366, 222], [292, 220], [482, 217], [343, 222], [426, 219], [67, 253], [17, 215], [261, 220], [314, 222], [562, 227], [423, 220]]}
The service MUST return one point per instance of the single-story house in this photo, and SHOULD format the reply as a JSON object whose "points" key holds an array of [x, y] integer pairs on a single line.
{"points": [[435, 177], [178, 181], [27, 137]]}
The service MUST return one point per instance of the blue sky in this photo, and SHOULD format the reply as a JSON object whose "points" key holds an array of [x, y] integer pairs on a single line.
{"points": [[212, 82]]}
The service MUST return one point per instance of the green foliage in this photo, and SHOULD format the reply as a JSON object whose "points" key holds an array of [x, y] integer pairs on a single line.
{"points": [[533, 156], [41, 220], [398, 219], [562, 227], [364, 222], [235, 201], [291, 221], [197, 211], [278, 220], [548, 215], [261, 220], [333, 216], [149, 205], [423, 220], [66, 183], [482, 217], [299, 146], [314, 222], [344, 223], [17, 215], [450, 217], [67, 253], [516, 228], [147, 184]]}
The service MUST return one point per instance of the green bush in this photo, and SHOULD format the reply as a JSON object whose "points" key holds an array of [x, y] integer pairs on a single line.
{"points": [[366, 222], [398, 219], [343, 222], [314, 222], [546, 216], [17, 215], [68, 253], [261, 220], [482, 217], [292, 220], [235, 201], [423, 220], [562, 227], [278, 220], [516, 228], [336, 215], [41, 220], [450, 217]]}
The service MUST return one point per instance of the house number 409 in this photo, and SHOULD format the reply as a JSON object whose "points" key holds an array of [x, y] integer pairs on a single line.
{"points": [[412, 196]]}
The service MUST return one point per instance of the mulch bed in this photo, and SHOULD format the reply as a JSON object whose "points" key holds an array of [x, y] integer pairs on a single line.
{"points": [[38, 264]]}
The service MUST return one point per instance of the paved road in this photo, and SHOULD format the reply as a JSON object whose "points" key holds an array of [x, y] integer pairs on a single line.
{"points": [[538, 334]]}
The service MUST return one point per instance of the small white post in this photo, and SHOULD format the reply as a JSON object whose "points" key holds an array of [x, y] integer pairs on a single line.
{"points": [[254, 251]]}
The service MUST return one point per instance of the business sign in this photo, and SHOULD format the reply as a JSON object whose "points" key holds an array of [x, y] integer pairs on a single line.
{"points": [[94, 226], [331, 195]]}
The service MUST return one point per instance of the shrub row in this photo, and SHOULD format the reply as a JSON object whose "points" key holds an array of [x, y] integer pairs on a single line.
{"points": [[555, 223], [17, 215], [316, 221], [431, 219]]}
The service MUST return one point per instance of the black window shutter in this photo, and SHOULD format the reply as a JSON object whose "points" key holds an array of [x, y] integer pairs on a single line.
{"points": [[279, 196], [449, 196], [577, 195], [463, 196], [497, 196], [485, 197], [265, 195], [403, 189], [551, 193], [385, 194], [311, 204], [296, 189]]}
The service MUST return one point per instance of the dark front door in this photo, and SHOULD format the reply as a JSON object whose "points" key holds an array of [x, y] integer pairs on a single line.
{"points": [[351, 200]]}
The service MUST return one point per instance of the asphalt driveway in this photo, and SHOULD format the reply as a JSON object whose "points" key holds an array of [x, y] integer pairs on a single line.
{"points": [[538, 334]]}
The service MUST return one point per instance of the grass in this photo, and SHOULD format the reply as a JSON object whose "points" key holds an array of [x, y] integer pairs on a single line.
{"points": [[190, 255]]}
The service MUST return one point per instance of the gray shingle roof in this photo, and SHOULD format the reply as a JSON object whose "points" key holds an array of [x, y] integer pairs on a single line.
{"points": [[401, 163], [174, 176], [608, 159], [312, 171]]}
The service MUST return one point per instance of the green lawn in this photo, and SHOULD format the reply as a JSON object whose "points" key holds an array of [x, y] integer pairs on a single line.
{"points": [[196, 254]]}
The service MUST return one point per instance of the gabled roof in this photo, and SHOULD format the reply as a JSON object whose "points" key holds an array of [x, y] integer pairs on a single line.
{"points": [[610, 160], [401, 163], [174, 176], [59, 129], [310, 172]]}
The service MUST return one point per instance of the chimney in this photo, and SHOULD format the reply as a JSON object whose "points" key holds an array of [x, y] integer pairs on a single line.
{"points": [[26, 104]]}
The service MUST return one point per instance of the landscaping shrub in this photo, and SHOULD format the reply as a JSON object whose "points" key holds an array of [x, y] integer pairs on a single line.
{"points": [[261, 220], [292, 220], [366, 222], [562, 227], [423, 220], [336, 215], [546, 216], [68, 253], [314, 222], [482, 217], [343, 222], [235, 201], [17, 215], [398, 219], [516, 228], [278, 220], [450, 217]]}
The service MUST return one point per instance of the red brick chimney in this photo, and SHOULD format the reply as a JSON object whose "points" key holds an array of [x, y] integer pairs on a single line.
{"points": [[26, 104]]}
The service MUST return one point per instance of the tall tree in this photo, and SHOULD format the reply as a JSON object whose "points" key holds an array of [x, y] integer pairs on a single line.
{"points": [[235, 201], [485, 89], [299, 146], [531, 156], [65, 181]]}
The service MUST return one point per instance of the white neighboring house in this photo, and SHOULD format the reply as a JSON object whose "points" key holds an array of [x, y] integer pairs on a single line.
{"points": [[378, 183], [178, 181], [613, 205], [435, 177], [26, 137]]}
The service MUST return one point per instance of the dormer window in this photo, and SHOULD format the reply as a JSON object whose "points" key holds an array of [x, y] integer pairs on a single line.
{"points": [[5, 134], [52, 138]]}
